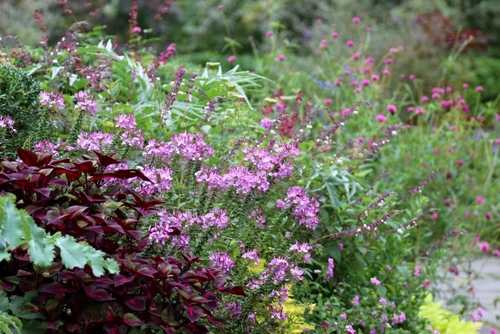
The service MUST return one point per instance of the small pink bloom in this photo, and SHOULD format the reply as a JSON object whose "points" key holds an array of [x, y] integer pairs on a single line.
{"points": [[424, 99], [335, 34], [369, 29], [281, 57], [357, 90], [465, 85], [484, 246], [392, 109], [449, 89], [356, 19], [323, 44], [375, 281], [496, 253], [386, 72], [369, 60], [381, 118], [388, 61], [319, 21], [434, 216], [365, 82], [356, 55], [436, 96], [136, 30], [411, 77], [349, 43], [328, 101], [479, 88], [361, 139], [231, 59], [220, 7], [480, 199], [375, 77], [420, 111], [269, 33]]}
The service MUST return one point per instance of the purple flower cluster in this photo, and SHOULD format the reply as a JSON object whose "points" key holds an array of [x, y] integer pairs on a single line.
{"points": [[252, 255], [126, 122], [161, 181], [238, 178], [329, 272], [94, 141], [305, 209], [7, 122], [276, 272], [181, 221], [52, 100], [86, 102], [258, 216], [191, 147], [221, 261]]}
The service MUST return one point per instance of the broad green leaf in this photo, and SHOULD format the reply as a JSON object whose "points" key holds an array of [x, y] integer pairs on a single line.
{"points": [[40, 250], [11, 223], [72, 253]]}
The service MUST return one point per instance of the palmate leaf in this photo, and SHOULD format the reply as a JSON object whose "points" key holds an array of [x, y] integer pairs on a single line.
{"points": [[17, 229]]}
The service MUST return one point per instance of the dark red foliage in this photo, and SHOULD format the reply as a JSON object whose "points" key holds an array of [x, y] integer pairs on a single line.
{"points": [[76, 198]]}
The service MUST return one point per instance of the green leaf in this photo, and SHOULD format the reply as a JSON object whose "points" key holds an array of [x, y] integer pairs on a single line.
{"points": [[11, 221], [40, 249], [72, 253]]}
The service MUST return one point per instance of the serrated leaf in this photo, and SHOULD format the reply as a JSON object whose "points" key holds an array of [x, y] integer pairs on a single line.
{"points": [[40, 250], [72, 253], [12, 222]]}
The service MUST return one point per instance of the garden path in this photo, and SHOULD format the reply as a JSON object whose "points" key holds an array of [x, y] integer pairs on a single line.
{"points": [[487, 288]]}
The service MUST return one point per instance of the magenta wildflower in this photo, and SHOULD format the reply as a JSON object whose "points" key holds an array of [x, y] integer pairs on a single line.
{"points": [[297, 273], [266, 123], [328, 101], [7, 122], [416, 271], [392, 108], [191, 146], [221, 261], [331, 267], [269, 33], [281, 57], [383, 301], [386, 72], [300, 248], [480, 199], [52, 100], [375, 281], [411, 77], [94, 141], [484, 246], [86, 102], [323, 44], [479, 88], [355, 301], [305, 209], [231, 59], [335, 34], [167, 54], [216, 217], [126, 122], [161, 181], [252, 255], [381, 118], [356, 19], [234, 309], [349, 43]]}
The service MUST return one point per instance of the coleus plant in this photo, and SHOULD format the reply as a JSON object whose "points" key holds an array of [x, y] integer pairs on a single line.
{"points": [[79, 199]]}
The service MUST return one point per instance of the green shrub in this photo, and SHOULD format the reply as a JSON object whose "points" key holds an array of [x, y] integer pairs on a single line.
{"points": [[19, 93]]}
